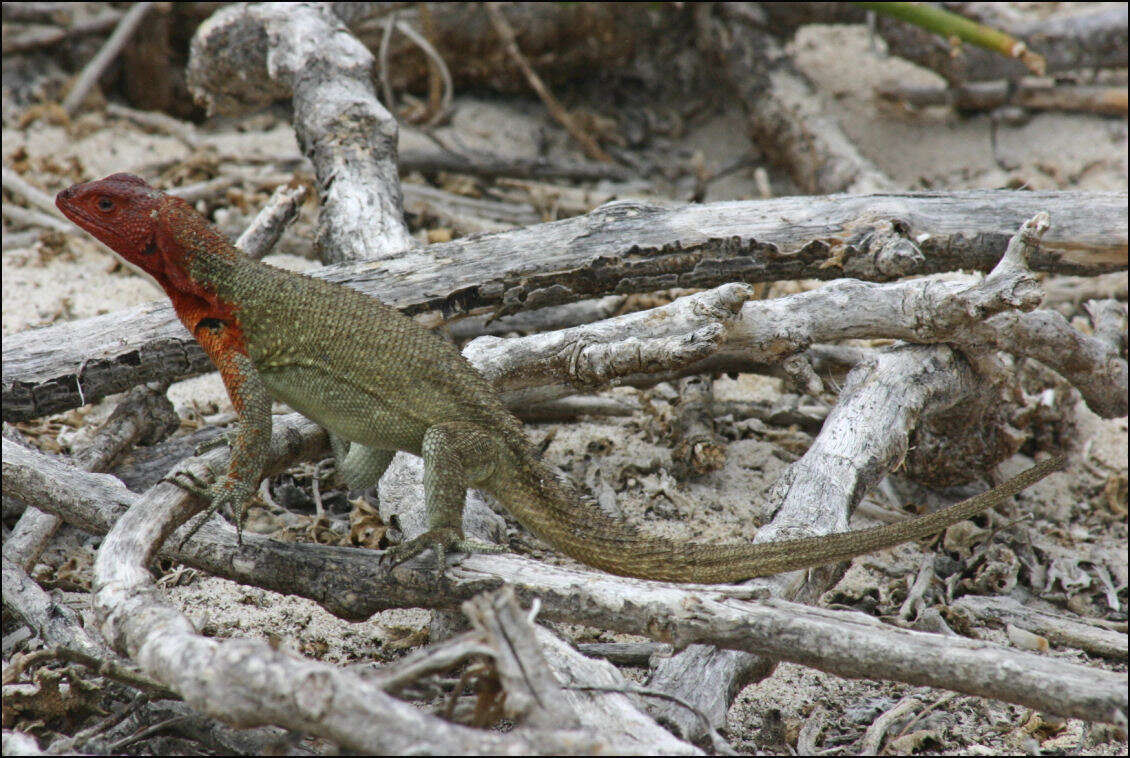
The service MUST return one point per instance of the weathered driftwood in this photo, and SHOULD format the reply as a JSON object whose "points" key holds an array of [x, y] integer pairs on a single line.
{"points": [[785, 115], [1070, 41], [544, 679], [866, 436], [306, 53], [353, 584], [621, 247], [52, 621], [687, 332], [874, 419], [1059, 628], [145, 414], [248, 683]]}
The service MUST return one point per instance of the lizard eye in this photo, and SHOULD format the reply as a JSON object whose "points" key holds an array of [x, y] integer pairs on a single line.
{"points": [[105, 204]]}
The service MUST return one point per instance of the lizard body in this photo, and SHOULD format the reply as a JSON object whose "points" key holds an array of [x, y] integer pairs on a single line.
{"points": [[380, 382]]}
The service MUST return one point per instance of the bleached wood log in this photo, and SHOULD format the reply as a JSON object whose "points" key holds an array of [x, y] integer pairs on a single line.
{"points": [[1059, 628], [878, 435], [304, 51], [621, 247], [353, 584], [786, 118], [684, 334], [248, 683]]}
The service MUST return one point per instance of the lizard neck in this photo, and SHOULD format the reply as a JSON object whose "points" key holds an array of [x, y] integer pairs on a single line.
{"points": [[200, 265]]}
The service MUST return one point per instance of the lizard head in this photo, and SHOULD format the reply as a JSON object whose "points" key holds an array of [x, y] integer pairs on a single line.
{"points": [[121, 211]]}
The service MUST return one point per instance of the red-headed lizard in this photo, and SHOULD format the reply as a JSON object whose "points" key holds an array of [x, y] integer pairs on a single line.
{"points": [[380, 382]]}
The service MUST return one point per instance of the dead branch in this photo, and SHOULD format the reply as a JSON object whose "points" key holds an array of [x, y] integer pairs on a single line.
{"points": [[144, 414], [109, 51], [342, 127], [787, 121], [353, 584], [282, 208], [53, 622], [1059, 628], [621, 247], [1036, 96], [690, 331], [698, 447], [506, 33], [533, 694], [20, 38], [248, 683]]}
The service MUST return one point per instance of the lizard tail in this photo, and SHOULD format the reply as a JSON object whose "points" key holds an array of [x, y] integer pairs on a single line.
{"points": [[582, 531]]}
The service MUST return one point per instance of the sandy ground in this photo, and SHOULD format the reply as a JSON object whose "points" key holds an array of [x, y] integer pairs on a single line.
{"points": [[932, 148]]}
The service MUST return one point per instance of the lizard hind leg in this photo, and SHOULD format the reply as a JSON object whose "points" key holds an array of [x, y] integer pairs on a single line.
{"points": [[456, 456], [359, 466]]}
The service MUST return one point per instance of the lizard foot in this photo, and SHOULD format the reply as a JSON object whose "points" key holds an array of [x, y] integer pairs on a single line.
{"points": [[217, 496], [441, 540]]}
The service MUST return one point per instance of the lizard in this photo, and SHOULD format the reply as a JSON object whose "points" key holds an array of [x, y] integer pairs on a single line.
{"points": [[380, 382]]}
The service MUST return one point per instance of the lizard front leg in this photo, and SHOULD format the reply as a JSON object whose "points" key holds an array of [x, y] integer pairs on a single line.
{"points": [[252, 403], [456, 456]]}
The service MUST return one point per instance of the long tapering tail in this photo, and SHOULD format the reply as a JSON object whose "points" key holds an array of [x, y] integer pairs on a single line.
{"points": [[582, 531]]}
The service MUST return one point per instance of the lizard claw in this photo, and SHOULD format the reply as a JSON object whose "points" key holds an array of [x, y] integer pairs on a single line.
{"points": [[190, 483], [440, 539], [217, 496]]}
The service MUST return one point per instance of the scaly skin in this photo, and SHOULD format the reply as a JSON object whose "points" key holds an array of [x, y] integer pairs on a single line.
{"points": [[380, 383]]}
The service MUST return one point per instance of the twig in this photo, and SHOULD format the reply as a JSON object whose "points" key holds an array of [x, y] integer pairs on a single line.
{"points": [[144, 414], [271, 221], [28, 217], [103, 58], [161, 122], [148, 731], [17, 185], [914, 598], [13, 240], [354, 584], [810, 732], [382, 57], [938, 703], [1060, 629], [873, 738], [951, 26], [718, 742], [434, 58], [54, 622], [443, 656], [1069, 41], [983, 96], [100, 666], [45, 36], [506, 33]]}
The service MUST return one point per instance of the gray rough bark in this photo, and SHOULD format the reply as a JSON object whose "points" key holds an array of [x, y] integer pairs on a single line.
{"points": [[353, 584], [618, 248], [247, 55]]}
